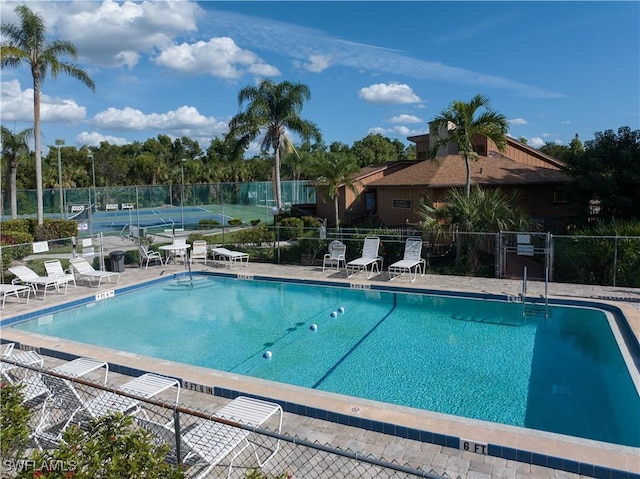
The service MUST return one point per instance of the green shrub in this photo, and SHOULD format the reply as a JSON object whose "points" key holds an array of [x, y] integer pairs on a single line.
{"points": [[53, 229], [310, 221], [207, 224], [291, 228], [254, 236], [196, 237], [22, 225], [8, 238], [131, 257], [255, 222], [235, 222], [110, 447], [14, 421]]}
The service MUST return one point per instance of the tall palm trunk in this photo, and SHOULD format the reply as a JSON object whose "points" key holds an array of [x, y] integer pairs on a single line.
{"points": [[467, 185], [13, 173], [277, 193], [36, 141], [335, 204]]}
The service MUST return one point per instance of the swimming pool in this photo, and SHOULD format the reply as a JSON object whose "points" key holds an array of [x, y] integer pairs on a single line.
{"points": [[466, 357]]}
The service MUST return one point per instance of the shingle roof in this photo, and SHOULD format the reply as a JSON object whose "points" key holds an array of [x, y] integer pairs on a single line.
{"points": [[449, 171]]}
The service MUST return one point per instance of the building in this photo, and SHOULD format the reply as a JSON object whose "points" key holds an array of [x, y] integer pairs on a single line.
{"points": [[389, 193]]}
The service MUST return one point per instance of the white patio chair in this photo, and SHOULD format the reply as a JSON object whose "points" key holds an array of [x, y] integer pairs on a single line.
{"points": [[335, 256], [147, 255], [411, 263], [369, 258], [179, 252], [84, 270], [199, 251]]}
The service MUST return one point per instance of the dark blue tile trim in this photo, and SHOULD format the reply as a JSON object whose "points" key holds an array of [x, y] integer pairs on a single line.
{"points": [[495, 450]]}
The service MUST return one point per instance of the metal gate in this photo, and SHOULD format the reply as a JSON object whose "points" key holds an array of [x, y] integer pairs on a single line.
{"points": [[517, 249]]}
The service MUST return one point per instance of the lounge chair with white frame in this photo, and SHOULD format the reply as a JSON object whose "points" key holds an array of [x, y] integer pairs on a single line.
{"points": [[208, 443], [84, 270], [335, 256], [369, 258], [230, 257], [411, 263], [27, 276], [54, 269]]}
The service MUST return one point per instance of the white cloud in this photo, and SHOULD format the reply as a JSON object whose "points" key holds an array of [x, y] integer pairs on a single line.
{"points": [[94, 139], [17, 105], [388, 93], [316, 63], [535, 142], [565, 122], [404, 118], [184, 121], [397, 131], [117, 33], [218, 57], [517, 121]]}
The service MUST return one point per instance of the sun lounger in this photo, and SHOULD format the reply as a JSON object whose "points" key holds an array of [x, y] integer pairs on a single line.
{"points": [[369, 258], [208, 443], [83, 270], [411, 263], [16, 290], [27, 276], [230, 257], [54, 270]]}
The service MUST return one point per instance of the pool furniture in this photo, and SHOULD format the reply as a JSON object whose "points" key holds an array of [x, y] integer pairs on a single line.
{"points": [[81, 367], [147, 255], [175, 250], [34, 391], [14, 289], [411, 263], [208, 443], [335, 256], [76, 409], [369, 258], [199, 251], [6, 348], [27, 276], [230, 257], [54, 269], [84, 270]]}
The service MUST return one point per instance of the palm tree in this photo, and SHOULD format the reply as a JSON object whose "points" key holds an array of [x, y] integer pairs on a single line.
{"points": [[461, 124], [26, 44], [272, 110], [14, 147], [333, 171]]}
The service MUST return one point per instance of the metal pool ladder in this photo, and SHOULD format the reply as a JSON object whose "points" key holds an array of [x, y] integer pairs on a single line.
{"points": [[534, 309]]}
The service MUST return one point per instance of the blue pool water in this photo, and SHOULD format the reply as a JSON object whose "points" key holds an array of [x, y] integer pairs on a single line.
{"points": [[466, 357]]}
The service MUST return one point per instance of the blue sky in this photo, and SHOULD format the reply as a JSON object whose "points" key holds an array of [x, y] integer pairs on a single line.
{"points": [[553, 69]]}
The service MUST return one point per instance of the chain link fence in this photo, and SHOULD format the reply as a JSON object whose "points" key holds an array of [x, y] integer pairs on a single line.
{"points": [[201, 442]]}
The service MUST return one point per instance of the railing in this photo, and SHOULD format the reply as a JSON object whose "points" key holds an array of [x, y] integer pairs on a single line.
{"points": [[296, 456]]}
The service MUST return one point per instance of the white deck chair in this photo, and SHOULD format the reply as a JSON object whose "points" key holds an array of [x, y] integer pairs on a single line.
{"points": [[83, 270], [208, 443], [35, 392], [15, 290], [335, 256], [25, 275], [369, 258], [54, 269], [230, 257], [147, 255], [199, 251], [411, 263]]}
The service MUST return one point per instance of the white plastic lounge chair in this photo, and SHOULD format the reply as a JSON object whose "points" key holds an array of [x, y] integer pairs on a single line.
{"points": [[230, 257], [83, 270], [369, 258], [199, 251], [208, 443], [335, 256], [147, 255], [54, 269], [34, 391], [6, 348], [411, 263], [16, 290], [27, 276]]}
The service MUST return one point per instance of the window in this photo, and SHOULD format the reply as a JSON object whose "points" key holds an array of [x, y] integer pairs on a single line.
{"points": [[402, 204], [559, 197]]}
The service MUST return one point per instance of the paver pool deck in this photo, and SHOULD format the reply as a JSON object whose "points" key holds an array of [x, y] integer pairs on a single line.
{"points": [[447, 461]]}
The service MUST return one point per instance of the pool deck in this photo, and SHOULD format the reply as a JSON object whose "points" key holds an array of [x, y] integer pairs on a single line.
{"points": [[450, 461]]}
